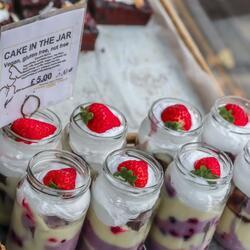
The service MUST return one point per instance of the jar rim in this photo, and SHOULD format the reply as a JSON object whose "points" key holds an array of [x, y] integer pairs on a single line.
{"points": [[47, 112], [75, 114], [123, 186], [218, 118], [247, 152], [50, 155], [223, 157], [159, 124]]}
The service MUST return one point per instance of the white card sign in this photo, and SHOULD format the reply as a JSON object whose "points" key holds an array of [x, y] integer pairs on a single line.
{"points": [[38, 62]]}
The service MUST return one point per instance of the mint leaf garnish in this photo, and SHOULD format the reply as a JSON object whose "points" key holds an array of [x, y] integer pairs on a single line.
{"points": [[226, 114], [206, 173], [86, 115], [126, 176], [53, 185], [177, 126]]}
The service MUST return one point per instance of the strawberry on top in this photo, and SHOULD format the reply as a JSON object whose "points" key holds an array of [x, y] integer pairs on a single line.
{"points": [[207, 167], [135, 172], [177, 117], [63, 179], [99, 118], [235, 114], [32, 129]]}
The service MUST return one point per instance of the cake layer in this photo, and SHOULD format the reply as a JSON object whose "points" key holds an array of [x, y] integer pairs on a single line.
{"points": [[117, 13]]}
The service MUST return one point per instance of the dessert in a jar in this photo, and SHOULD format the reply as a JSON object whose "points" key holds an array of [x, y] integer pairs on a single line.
{"points": [[123, 200], [227, 126], [234, 227], [121, 12], [51, 203], [170, 124], [95, 130], [19, 142], [197, 184]]}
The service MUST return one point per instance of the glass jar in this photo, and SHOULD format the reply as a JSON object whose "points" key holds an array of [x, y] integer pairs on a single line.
{"points": [[163, 142], [92, 146], [234, 227], [191, 205], [15, 155], [47, 218], [222, 134], [120, 214]]}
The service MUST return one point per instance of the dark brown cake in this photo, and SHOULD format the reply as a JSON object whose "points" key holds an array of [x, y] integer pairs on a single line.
{"points": [[118, 13], [30, 8], [37, 3], [4, 12], [90, 33]]}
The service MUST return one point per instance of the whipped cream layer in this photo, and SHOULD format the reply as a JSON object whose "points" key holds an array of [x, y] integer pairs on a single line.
{"points": [[67, 209], [193, 194], [4, 15], [115, 207], [223, 137], [241, 173]]}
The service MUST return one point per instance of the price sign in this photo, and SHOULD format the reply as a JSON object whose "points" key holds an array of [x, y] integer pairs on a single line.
{"points": [[39, 59]]}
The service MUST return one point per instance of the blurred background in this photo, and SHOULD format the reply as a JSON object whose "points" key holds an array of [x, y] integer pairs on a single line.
{"points": [[221, 30]]}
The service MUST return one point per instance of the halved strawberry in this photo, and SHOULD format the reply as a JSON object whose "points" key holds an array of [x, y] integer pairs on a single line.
{"points": [[32, 129], [99, 118], [117, 230], [207, 167], [235, 114], [64, 179], [177, 117], [135, 172]]}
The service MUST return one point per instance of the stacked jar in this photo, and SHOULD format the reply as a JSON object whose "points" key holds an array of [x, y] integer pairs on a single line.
{"points": [[233, 230], [170, 124], [227, 126], [95, 130], [51, 202], [123, 201], [19, 142], [197, 184]]}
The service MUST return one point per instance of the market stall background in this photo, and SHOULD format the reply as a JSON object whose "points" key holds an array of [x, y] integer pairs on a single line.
{"points": [[133, 66], [220, 29]]}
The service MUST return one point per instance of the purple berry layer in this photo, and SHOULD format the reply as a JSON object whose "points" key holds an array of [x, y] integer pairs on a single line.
{"points": [[65, 244], [184, 229], [96, 243], [169, 188], [229, 241], [62, 245], [152, 245]]}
